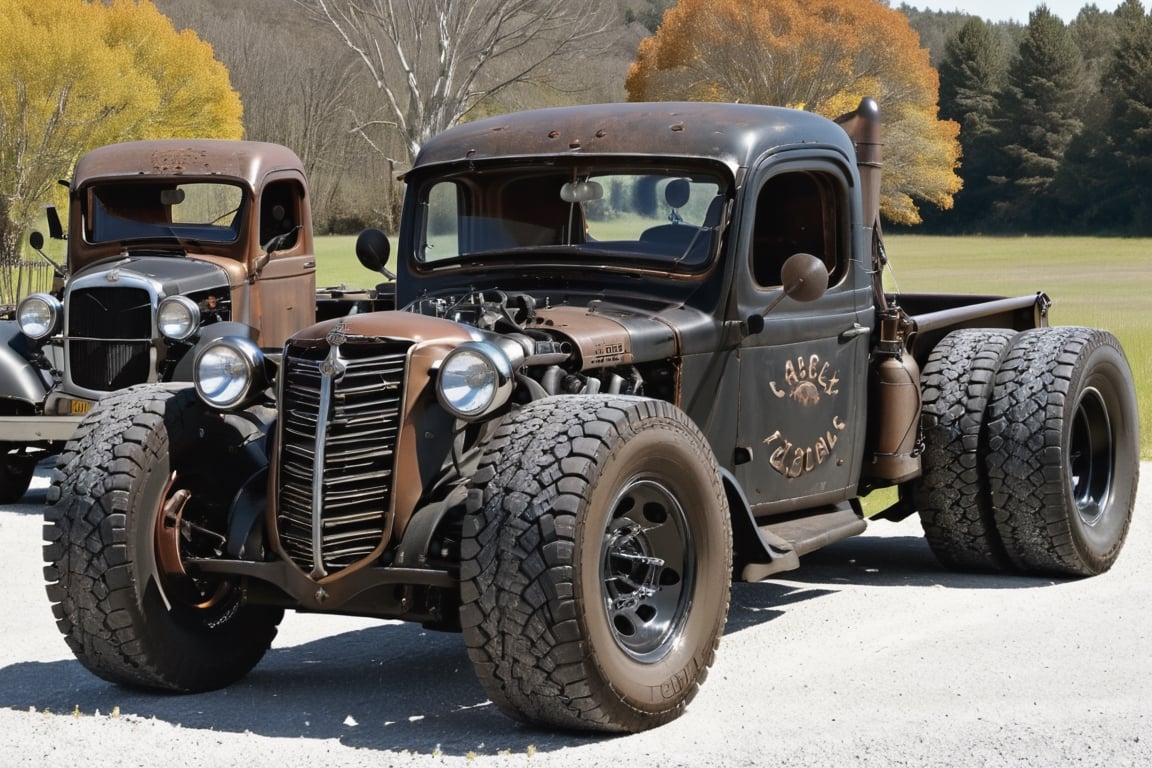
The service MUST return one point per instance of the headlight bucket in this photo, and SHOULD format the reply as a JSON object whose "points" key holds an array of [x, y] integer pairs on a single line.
{"points": [[178, 318], [474, 380], [229, 373], [39, 315]]}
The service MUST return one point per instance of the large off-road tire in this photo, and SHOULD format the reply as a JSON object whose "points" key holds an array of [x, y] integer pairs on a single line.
{"points": [[1064, 451], [596, 563], [952, 495], [16, 470], [144, 483]]}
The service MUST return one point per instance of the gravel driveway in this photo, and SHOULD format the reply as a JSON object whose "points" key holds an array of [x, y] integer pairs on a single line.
{"points": [[869, 655]]}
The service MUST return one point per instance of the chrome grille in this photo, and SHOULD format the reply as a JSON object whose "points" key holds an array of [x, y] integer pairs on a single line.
{"points": [[109, 332], [358, 449]]}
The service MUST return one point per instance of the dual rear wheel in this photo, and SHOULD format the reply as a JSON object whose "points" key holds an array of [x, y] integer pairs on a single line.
{"points": [[1032, 450]]}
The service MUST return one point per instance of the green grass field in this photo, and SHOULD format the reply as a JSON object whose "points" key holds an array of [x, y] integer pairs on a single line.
{"points": [[1098, 282]]}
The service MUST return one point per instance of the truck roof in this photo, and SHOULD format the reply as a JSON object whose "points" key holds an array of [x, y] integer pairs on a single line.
{"points": [[735, 134], [247, 160]]}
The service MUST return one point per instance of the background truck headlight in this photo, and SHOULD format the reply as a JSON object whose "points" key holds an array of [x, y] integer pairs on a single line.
{"points": [[39, 315], [178, 318]]}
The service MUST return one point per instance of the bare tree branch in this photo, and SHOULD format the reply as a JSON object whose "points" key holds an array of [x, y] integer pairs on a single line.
{"points": [[436, 60]]}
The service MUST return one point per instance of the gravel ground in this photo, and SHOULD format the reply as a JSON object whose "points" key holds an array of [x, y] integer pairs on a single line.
{"points": [[869, 655]]}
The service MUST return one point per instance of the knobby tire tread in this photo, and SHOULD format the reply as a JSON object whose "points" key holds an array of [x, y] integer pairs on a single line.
{"points": [[91, 579], [517, 578], [1027, 449], [952, 496]]}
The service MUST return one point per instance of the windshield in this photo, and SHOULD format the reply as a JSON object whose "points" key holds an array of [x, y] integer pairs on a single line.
{"points": [[604, 217], [156, 209]]}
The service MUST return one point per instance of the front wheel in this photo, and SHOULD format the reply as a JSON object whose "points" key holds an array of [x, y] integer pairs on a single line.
{"points": [[144, 484], [597, 563], [1064, 451]]}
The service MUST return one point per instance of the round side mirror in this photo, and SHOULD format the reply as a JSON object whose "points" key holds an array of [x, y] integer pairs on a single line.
{"points": [[373, 249], [36, 240], [804, 276]]}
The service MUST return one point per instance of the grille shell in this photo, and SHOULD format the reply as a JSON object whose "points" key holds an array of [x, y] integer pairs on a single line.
{"points": [[357, 442], [109, 334]]}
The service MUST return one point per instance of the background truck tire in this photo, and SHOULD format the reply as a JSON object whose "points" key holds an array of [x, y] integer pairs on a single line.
{"points": [[1064, 451], [16, 470], [952, 495], [145, 481], [596, 563]]}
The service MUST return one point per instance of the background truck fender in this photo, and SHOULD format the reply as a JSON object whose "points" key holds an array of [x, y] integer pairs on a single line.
{"points": [[209, 334], [19, 379]]}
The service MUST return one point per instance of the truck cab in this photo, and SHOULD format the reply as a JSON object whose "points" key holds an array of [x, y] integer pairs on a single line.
{"points": [[170, 243]]}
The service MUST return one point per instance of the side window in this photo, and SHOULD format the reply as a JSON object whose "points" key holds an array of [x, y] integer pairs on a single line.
{"points": [[441, 222], [795, 213], [280, 213]]}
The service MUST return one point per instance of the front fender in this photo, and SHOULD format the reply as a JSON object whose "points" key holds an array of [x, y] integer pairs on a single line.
{"points": [[757, 552], [19, 378], [209, 334]]}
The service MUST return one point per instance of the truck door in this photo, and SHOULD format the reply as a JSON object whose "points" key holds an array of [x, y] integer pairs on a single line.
{"points": [[286, 287], [803, 380]]}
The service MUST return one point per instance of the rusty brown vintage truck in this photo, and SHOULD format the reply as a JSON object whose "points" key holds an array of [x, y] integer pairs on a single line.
{"points": [[640, 350], [171, 244]]}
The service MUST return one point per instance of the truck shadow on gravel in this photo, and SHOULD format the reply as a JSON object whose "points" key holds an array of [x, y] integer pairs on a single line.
{"points": [[862, 561], [390, 687], [398, 687]]}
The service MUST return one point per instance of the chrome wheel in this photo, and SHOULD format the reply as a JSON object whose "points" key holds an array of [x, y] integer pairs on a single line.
{"points": [[647, 570]]}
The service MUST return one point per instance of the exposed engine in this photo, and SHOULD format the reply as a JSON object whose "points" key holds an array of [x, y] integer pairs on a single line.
{"points": [[556, 361]]}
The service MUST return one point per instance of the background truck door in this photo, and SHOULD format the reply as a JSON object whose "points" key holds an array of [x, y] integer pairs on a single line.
{"points": [[284, 294]]}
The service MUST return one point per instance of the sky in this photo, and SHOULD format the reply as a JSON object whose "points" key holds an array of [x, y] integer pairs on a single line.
{"points": [[1015, 10]]}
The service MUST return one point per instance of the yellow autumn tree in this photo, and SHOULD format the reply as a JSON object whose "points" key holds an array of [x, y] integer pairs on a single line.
{"points": [[79, 74], [819, 55]]}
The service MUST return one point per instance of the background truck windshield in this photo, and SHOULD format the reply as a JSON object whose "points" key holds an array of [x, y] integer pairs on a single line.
{"points": [[163, 209]]}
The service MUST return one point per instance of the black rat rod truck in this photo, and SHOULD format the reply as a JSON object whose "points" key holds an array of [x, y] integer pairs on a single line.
{"points": [[170, 245], [641, 350]]}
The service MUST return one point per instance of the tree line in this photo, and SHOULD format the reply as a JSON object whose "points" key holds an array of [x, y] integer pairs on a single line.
{"points": [[1040, 127], [1052, 116], [77, 75], [1055, 118], [355, 86]]}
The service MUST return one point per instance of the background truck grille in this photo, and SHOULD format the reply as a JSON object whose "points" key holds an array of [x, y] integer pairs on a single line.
{"points": [[359, 452], [109, 332]]}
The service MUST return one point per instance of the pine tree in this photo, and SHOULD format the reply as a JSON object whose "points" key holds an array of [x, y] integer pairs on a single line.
{"points": [[1129, 82], [973, 73], [1041, 113]]}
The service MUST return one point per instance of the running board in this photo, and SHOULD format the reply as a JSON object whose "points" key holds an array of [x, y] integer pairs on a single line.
{"points": [[799, 536]]}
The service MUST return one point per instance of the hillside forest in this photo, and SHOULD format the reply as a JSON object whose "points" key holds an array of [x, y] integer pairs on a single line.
{"points": [[1053, 118]]}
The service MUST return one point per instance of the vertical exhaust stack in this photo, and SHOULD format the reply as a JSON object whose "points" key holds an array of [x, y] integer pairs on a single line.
{"points": [[863, 127], [895, 415]]}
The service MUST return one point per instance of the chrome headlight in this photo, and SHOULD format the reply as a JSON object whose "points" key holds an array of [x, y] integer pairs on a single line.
{"points": [[178, 318], [38, 315], [229, 372], [474, 380]]}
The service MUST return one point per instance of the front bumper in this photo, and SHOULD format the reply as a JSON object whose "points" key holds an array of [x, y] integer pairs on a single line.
{"points": [[38, 427]]}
